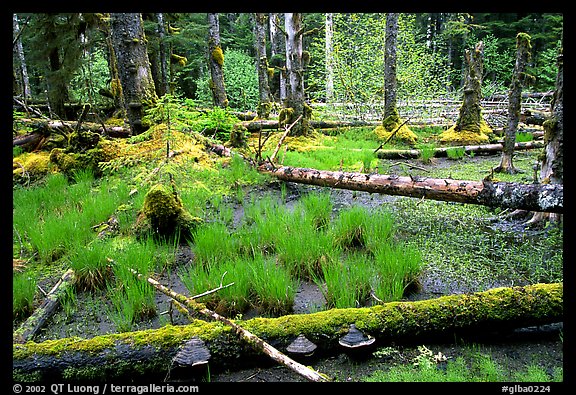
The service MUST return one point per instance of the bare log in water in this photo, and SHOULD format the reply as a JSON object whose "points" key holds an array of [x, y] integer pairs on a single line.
{"points": [[531, 197]]}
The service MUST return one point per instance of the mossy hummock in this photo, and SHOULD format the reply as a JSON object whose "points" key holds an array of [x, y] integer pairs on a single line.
{"points": [[164, 215]]}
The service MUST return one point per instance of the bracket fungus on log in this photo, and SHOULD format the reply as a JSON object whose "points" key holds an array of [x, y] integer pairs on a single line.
{"points": [[301, 347], [355, 342]]}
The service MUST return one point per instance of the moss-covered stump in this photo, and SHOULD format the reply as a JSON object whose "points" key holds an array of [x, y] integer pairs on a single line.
{"points": [[149, 353], [481, 135], [163, 215], [70, 162], [389, 126]]}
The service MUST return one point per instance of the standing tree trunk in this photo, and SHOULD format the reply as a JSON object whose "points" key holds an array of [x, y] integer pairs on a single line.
{"points": [[264, 106], [552, 167], [133, 67], [514, 103], [391, 117], [329, 58], [22, 75], [216, 62], [277, 57], [115, 91], [470, 127], [163, 87], [295, 106]]}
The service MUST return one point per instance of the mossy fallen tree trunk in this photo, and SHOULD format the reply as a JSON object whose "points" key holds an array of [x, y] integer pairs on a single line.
{"points": [[530, 197], [442, 152], [43, 127], [36, 321], [148, 354], [256, 125]]}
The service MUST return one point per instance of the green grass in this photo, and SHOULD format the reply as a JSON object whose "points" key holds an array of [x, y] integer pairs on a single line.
{"points": [[474, 367], [91, 266], [273, 286], [427, 151], [23, 292], [455, 153]]}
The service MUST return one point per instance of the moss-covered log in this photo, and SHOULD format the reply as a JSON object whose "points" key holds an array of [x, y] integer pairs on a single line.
{"points": [[36, 321], [149, 353], [531, 197]]}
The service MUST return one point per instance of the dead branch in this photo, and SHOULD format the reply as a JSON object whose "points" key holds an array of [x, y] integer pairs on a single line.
{"points": [[245, 335]]}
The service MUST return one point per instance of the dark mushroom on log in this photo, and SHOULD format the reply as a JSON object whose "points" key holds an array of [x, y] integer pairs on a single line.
{"points": [[301, 347]]}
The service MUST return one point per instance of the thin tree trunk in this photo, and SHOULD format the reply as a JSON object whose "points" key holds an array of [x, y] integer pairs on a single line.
{"points": [[164, 86], [277, 48], [216, 62], [329, 58], [19, 50], [470, 115], [534, 197], [294, 105], [390, 83], [514, 103], [148, 353], [264, 106], [138, 86]]}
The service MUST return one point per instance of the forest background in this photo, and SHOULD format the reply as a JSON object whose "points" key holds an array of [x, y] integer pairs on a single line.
{"points": [[71, 50]]}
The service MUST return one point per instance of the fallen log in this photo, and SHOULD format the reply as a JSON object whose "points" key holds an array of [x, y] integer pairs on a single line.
{"points": [[36, 321], [442, 152], [254, 126], [531, 197], [148, 354], [56, 126]]}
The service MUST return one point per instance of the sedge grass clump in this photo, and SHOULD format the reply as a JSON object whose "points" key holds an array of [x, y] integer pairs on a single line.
{"points": [[231, 300], [455, 153], [347, 282], [91, 265], [427, 151], [396, 268], [273, 286], [23, 292], [357, 228], [213, 243], [318, 207], [303, 250]]}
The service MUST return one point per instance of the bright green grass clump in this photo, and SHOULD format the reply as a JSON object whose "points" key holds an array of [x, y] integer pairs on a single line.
{"points": [[23, 291]]}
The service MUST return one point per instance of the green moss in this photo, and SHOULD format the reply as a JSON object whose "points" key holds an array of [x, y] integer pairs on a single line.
{"points": [[164, 215], [466, 137], [285, 116], [218, 55], [180, 60], [390, 124], [32, 164]]}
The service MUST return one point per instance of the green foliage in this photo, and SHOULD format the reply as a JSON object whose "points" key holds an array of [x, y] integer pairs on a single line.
{"points": [[92, 76], [240, 79], [455, 153], [23, 291], [427, 151]]}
